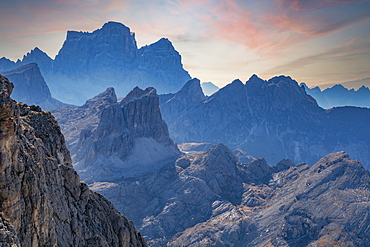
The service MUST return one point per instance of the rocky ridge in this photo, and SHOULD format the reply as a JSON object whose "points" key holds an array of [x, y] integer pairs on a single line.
{"points": [[42, 201], [275, 119], [338, 95], [88, 63], [30, 86], [210, 199]]}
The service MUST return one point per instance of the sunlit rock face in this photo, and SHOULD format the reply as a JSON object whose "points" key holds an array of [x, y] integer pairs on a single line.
{"points": [[275, 119], [42, 201]]}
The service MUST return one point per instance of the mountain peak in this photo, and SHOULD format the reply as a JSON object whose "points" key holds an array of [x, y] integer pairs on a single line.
{"points": [[162, 44], [254, 77], [116, 27], [138, 93], [192, 89], [105, 98], [282, 79], [255, 81]]}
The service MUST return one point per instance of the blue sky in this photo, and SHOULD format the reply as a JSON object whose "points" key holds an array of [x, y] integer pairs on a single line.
{"points": [[316, 41]]}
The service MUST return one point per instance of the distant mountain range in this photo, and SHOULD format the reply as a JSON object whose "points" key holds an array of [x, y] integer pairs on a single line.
{"points": [[314, 194], [338, 95], [356, 84], [88, 63], [275, 119], [30, 87], [208, 197], [209, 88]]}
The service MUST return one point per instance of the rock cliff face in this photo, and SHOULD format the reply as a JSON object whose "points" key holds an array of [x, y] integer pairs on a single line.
{"points": [[110, 139], [30, 87], [112, 47], [209, 199], [89, 62], [157, 65], [274, 119], [42, 201]]}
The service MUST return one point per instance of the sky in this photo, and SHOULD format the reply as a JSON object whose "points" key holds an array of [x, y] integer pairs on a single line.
{"points": [[313, 41]]}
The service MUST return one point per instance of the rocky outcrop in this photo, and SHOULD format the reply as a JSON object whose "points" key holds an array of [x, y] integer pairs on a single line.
{"points": [[41, 196], [274, 119], [209, 199], [30, 87], [110, 139]]}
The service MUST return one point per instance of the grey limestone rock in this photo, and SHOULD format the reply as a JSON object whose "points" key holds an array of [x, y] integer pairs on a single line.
{"points": [[209, 199], [275, 119], [41, 196], [110, 139]]}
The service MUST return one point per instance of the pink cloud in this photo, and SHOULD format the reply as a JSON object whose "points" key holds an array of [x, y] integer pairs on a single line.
{"points": [[272, 28], [313, 4]]}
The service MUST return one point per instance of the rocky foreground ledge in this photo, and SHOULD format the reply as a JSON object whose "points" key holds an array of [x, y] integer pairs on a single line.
{"points": [[42, 201]]}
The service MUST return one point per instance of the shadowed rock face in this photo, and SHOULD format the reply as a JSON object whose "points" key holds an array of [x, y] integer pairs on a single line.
{"points": [[83, 52], [274, 119], [110, 140], [30, 87], [42, 201], [209, 199], [89, 62]]}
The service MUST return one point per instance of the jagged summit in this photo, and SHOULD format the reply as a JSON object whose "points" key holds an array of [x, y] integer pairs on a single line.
{"points": [[138, 93], [190, 94], [191, 91], [110, 140], [236, 86], [338, 95], [104, 98], [221, 150], [114, 25], [110, 28]]}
